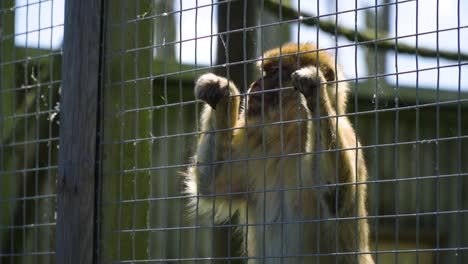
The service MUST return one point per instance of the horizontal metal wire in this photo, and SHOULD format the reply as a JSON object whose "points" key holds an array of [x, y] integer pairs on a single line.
{"points": [[28, 4], [277, 223], [27, 170], [25, 33], [27, 254], [28, 226], [298, 154], [401, 179], [213, 67], [266, 25], [28, 198], [30, 59], [215, 4], [454, 102], [374, 252]]}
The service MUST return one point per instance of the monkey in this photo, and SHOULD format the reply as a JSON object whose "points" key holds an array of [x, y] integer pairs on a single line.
{"points": [[285, 158]]}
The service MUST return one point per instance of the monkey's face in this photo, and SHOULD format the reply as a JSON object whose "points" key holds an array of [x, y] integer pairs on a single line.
{"points": [[266, 91]]}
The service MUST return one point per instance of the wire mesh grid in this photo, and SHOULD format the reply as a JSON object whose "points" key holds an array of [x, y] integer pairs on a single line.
{"points": [[412, 130], [29, 94], [406, 66]]}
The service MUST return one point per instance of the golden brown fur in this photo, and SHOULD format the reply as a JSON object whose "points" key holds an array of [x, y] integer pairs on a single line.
{"points": [[287, 163]]}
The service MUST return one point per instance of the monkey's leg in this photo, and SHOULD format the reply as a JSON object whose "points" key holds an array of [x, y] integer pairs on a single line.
{"points": [[219, 116]]}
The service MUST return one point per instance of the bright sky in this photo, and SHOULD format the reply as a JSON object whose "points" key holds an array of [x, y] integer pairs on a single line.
{"points": [[39, 23], [44, 22]]}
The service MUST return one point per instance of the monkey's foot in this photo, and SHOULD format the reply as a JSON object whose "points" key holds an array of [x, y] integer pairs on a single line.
{"points": [[211, 89]]}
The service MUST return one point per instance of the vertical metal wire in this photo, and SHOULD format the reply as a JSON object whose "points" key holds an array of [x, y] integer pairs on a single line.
{"points": [[245, 84], [229, 151], [396, 139], [180, 156], [15, 164], [300, 140], [317, 151], [299, 136], [166, 128], [376, 136], [459, 142], [181, 149], [417, 147], [213, 141], [51, 108], [356, 110], [151, 207], [337, 149], [245, 139], [2, 118], [281, 139], [180, 143], [26, 148], [135, 135], [121, 136], [15, 161], [437, 146], [198, 127], [37, 138], [264, 152]]}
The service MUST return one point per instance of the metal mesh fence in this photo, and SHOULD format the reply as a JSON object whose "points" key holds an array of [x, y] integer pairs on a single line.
{"points": [[412, 129], [405, 63], [30, 82]]}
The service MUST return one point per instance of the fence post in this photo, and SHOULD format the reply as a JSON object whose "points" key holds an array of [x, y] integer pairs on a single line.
{"points": [[76, 179]]}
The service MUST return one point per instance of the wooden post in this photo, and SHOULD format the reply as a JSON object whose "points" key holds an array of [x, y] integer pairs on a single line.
{"points": [[75, 186]]}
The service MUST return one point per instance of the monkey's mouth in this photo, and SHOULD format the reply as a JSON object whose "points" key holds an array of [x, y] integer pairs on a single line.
{"points": [[260, 100], [265, 93]]}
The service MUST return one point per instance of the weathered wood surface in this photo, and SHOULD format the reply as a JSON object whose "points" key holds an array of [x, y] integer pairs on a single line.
{"points": [[75, 184]]}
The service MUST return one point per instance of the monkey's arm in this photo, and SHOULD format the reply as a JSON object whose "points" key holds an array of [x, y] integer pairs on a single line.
{"points": [[342, 166], [210, 173], [341, 162]]}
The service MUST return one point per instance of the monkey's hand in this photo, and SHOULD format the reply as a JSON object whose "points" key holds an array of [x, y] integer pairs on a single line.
{"points": [[211, 89], [307, 81]]}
